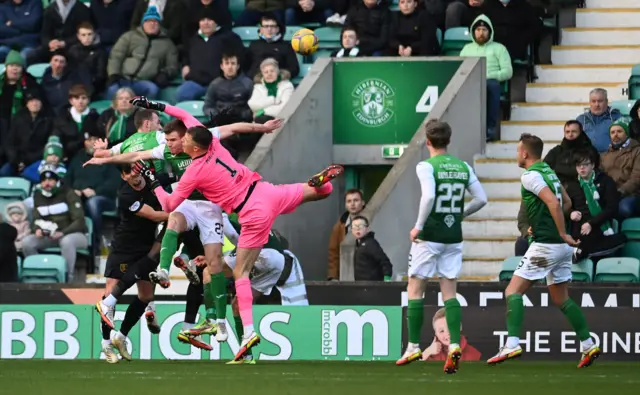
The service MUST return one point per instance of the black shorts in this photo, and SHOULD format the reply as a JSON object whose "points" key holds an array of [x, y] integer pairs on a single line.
{"points": [[119, 263]]}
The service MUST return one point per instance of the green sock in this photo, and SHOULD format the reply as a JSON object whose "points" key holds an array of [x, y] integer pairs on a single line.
{"points": [[573, 312], [415, 317], [453, 314], [169, 248], [209, 302], [515, 315], [240, 330], [219, 287]]}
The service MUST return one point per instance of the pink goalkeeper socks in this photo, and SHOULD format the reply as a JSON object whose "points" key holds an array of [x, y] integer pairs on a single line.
{"points": [[245, 302]]}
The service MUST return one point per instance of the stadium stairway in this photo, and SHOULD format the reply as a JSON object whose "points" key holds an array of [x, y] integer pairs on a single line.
{"points": [[598, 52]]}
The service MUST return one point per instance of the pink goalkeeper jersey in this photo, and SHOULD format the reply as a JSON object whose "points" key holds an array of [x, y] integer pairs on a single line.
{"points": [[216, 175]]}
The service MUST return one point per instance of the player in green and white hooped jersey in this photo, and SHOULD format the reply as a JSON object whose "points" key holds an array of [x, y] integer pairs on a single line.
{"points": [[436, 238], [549, 256], [196, 211]]}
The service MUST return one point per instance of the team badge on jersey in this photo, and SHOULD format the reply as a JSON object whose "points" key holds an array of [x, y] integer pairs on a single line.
{"points": [[449, 220], [373, 102]]}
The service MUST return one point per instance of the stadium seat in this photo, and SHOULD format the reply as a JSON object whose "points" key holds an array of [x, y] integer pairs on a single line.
{"points": [[582, 271], [44, 269], [439, 36], [454, 40], [394, 6], [19, 262], [290, 31], [236, 7], [37, 70], [328, 37], [2, 67], [631, 228], [100, 105], [168, 94], [509, 266], [618, 270], [304, 69], [14, 187], [195, 108], [634, 83], [624, 106], [246, 33]]}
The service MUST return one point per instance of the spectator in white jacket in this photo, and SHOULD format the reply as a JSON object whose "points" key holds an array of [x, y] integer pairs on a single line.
{"points": [[271, 91]]}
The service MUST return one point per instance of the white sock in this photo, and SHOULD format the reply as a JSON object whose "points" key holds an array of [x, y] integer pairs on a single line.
{"points": [[248, 329], [187, 325], [110, 301], [586, 344], [512, 342], [120, 336], [453, 345], [221, 321], [412, 346], [106, 343], [151, 306]]}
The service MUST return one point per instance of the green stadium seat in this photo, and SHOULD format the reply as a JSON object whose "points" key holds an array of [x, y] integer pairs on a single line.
{"points": [[311, 25], [304, 70], [37, 70], [195, 108], [168, 94], [100, 105], [631, 228], [290, 31], [454, 40], [236, 7], [394, 6], [624, 106], [582, 271], [439, 36], [328, 37], [247, 34], [19, 262], [631, 249], [634, 83], [2, 67], [322, 53], [618, 270], [509, 266], [14, 187], [44, 268]]}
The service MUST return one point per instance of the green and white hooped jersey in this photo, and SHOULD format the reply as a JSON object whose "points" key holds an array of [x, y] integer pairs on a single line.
{"points": [[534, 180], [451, 177]]}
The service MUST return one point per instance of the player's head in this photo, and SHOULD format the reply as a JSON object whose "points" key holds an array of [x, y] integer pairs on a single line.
{"points": [[529, 150], [586, 162], [354, 201], [131, 178], [359, 226], [174, 132], [440, 327], [438, 134], [196, 141], [146, 120]]}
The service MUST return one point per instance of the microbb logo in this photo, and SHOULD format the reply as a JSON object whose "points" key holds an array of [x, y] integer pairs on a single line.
{"points": [[354, 341]]}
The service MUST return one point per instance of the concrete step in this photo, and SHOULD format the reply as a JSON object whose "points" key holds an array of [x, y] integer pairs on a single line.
{"points": [[503, 228], [546, 130], [488, 248], [496, 188], [507, 149], [600, 36], [497, 168], [594, 54], [480, 269], [546, 111], [499, 208], [608, 17], [612, 3], [583, 73], [549, 93]]}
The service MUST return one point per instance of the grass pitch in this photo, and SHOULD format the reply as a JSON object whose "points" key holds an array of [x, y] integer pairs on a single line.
{"points": [[22, 377]]}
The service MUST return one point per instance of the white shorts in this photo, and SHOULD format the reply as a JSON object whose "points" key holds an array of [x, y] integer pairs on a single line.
{"points": [[266, 271], [426, 259], [206, 216], [293, 292], [552, 261]]}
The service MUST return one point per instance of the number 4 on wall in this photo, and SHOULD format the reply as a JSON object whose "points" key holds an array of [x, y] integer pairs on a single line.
{"points": [[428, 99]]}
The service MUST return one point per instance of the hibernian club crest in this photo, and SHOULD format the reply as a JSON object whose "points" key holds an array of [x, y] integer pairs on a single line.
{"points": [[373, 102]]}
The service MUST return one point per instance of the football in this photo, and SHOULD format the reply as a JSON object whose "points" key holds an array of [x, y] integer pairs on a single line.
{"points": [[304, 42]]}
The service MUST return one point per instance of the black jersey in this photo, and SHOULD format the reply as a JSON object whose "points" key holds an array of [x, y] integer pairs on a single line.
{"points": [[135, 233]]}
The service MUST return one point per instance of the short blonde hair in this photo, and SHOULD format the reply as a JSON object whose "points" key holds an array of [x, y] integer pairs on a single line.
{"points": [[269, 62], [114, 101], [441, 313]]}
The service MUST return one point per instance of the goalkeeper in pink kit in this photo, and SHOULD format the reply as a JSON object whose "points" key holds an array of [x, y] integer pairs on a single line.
{"points": [[235, 188]]}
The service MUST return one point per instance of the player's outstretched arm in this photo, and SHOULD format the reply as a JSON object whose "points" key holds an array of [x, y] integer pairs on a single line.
{"points": [[168, 201], [186, 118], [129, 157], [245, 127]]}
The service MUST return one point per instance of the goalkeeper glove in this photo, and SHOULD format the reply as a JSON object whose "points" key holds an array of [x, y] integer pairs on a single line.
{"points": [[141, 168], [143, 102]]}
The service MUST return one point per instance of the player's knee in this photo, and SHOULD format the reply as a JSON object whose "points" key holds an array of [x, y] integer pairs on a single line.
{"points": [[177, 222]]}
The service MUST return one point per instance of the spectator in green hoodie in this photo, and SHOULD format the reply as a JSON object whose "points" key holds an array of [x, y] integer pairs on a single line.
{"points": [[499, 67]]}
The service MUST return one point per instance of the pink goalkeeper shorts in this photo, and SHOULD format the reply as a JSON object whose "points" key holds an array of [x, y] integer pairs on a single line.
{"points": [[262, 208]]}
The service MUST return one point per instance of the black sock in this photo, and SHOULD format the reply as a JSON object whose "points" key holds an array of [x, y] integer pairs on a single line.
{"points": [[194, 300], [106, 331], [132, 316], [139, 271]]}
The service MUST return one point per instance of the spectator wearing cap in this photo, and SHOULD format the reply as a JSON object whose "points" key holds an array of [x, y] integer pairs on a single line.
{"points": [[75, 121], [58, 220], [144, 59], [622, 163], [205, 49], [173, 15], [96, 186], [20, 24], [29, 133], [218, 8], [89, 56], [52, 156], [59, 23], [598, 118], [58, 78], [271, 45], [498, 62], [111, 19]]}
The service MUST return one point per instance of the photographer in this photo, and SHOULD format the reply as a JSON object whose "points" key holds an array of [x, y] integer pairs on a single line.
{"points": [[58, 220]]}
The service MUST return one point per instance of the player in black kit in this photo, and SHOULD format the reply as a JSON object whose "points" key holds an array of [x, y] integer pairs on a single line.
{"points": [[134, 254]]}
